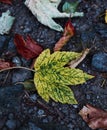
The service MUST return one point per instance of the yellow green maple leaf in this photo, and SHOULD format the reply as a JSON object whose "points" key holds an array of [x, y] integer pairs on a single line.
{"points": [[52, 78]]}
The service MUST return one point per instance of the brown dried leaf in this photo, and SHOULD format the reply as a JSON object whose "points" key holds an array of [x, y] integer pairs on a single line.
{"points": [[27, 48], [4, 64], [69, 31], [95, 117]]}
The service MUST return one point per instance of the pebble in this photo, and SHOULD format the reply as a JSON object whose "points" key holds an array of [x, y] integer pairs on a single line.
{"points": [[16, 60], [75, 106], [99, 62], [33, 97], [40, 112], [27, 30], [11, 124], [88, 97]]}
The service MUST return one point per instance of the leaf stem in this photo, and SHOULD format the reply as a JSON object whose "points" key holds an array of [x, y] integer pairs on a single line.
{"points": [[17, 67]]}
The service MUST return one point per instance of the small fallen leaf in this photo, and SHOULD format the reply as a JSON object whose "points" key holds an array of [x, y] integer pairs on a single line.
{"points": [[46, 10], [70, 7], [69, 31], [106, 16], [6, 1], [95, 117], [76, 62], [4, 64], [27, 48], [6, 22]]}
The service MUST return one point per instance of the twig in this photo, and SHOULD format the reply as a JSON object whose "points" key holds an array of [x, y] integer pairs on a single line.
{"points": [[17, 67]]}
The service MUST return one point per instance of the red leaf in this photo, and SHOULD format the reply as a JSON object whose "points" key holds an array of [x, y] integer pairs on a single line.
{"points": [[4, 64], [6, 1], [95, 117], [69, 31], [27, 48]]}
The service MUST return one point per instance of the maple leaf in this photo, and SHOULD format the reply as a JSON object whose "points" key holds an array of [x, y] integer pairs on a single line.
{"points": [[69, 31], [52, 78], [95, 117], [27, 48], [6, 1], [46, 10]]}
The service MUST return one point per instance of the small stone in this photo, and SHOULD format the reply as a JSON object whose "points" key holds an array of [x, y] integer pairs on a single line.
{"points": [[16, 60], [99, 62], [11, 124], [33, 97], [27, 30], [98, 97], [75, 106], [88, 97], [40, 112]]}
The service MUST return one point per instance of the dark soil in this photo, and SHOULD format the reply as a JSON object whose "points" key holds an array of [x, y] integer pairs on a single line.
{"points": [[22, 110]]}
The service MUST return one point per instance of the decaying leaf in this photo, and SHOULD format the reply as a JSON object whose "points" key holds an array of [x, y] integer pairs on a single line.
{"points": [[6, 22], [46, 10], [70, 7], [6, 1], [75, 63], [52, 78], [95, 117], [4, 64], [106, 17], [69, 31], [27, 48]]}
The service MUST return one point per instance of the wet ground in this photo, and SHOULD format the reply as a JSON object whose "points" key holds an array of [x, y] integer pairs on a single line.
{"points": [[23, 110]]}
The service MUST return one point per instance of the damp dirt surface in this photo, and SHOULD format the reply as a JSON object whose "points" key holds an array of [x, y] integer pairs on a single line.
{"points": [[24, 110]]}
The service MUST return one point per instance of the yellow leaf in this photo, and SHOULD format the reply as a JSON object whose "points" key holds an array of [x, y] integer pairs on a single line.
{"points": [[51, 77]]}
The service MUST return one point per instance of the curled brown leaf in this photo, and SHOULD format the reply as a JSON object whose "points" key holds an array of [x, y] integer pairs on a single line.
{"points": [[69, 31], [96, 118]]}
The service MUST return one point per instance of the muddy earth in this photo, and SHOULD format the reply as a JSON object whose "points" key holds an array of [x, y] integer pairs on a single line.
{"points": [[24, 110]]}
